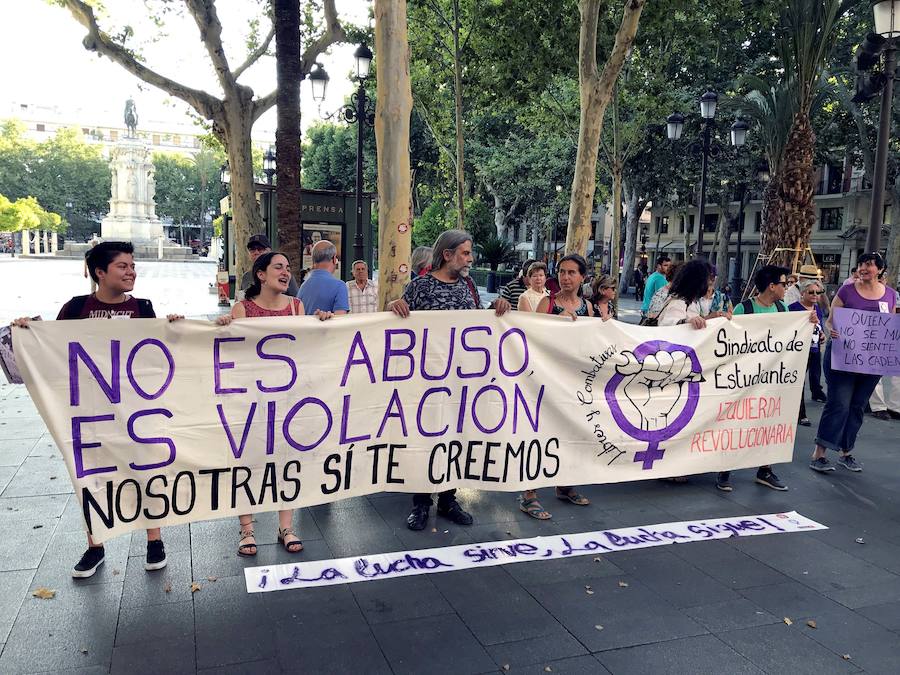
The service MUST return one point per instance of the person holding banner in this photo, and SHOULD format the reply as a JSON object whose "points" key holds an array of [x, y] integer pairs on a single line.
{"points": [[604, 296], [111, 266], [848, 391], [265, 298], [810, 290], [445, 287]]}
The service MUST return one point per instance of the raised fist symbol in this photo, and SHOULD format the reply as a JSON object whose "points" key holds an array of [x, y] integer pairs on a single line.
{"points": [[655, 386]]}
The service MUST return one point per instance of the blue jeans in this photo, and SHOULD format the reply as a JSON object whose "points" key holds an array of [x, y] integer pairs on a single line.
{"points": [[842, 416]]}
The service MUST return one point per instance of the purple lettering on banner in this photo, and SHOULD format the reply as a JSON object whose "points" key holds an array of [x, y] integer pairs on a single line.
{"points": [[519, 397], [79, 446], [236, 450], [868, 342], [424, 354], [162, 440], [276, 357], [394, 402], [270, 428], [112, 389], [129, 368], [429, 392], [461, 416], [501, 364], [390, 352], [286, 427], [219, 366], [478, 395], [353, 361], [467, 347], [345, 417]]}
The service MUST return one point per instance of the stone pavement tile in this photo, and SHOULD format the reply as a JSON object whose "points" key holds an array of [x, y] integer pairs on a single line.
{"points": [[630, 615], [22, 427], [876, 549], [339, 505], [40, 476], [156, 624], [433, 645], [887, 615], [230, 624], [812, 562], [13, 451], [871, 647], [728, 565], [494, 606], [780, 648], [790, 599], [78, 618], [13, 587], [45, 447], [172, 657], [267, 666], [630, 515], [6, 474], [398, 599], [176, 538], [558, 645], [730, 615], [65, 549], [42, 508], [673, 579], [573, 569], [579, 665], [24, 543], [308, 608], [221, 559], [86, 670], [145, 589], [328, 648], [447, 534], [700, 654]]}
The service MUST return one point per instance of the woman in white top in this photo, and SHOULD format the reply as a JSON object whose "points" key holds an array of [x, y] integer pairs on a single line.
{"points": [[688, 287], [536, 280]]}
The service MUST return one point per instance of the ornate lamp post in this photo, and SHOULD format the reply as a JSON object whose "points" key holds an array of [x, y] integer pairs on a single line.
{"points": [[269, 164], [358, 112], [644, 238], [706, 147]]}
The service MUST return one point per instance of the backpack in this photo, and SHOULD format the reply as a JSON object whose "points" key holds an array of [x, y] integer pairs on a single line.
{"points": [[76, 304], [748, 306]]}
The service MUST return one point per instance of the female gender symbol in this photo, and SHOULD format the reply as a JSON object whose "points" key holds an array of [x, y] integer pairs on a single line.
{"points": [[654, 437]]}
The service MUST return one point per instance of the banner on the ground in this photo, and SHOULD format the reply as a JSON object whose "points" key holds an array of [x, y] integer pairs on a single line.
{"points": [[163, 423], [867, 342], [468, 556]]}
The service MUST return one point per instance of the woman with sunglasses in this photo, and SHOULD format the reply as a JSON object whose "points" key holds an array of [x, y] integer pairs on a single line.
{"points": [[848, 392], [604, 295], [810, 290]]}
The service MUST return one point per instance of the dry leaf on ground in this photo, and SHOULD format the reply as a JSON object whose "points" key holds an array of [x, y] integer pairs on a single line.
{"points": [[168, 587], [195, 587], [846, 657], [211, 578], [811, 624], [598, 627], [44, 593], [788, 621], [623, 584]]}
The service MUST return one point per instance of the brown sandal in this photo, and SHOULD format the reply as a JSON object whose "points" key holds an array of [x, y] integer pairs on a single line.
{"points": [[571, 496], [289, 546], [244, 549]]}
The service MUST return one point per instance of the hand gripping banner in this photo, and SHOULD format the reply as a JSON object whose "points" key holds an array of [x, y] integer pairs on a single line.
{"points": [[163, 423]]}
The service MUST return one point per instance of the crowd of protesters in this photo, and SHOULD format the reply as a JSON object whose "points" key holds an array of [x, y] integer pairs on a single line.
{"points": [[684, 293]]}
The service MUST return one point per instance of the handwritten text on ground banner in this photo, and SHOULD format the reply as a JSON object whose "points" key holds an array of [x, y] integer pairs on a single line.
{"points": [[867, 342], [466, 556], [165, 423]]}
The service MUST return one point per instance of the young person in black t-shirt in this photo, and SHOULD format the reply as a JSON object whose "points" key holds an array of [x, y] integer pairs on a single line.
{"points": [[111, 266]]}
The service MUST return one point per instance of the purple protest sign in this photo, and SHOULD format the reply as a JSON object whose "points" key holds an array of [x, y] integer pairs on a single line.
{"points": [[867, 342]]}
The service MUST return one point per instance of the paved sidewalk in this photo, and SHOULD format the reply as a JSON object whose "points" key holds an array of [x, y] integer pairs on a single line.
{"points": [[716, 607]]}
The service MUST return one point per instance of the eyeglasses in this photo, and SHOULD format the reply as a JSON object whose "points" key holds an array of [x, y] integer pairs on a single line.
{"points": [[780, 283], [815, 292]]}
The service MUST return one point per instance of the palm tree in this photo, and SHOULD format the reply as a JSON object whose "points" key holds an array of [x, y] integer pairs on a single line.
{"points": [[810, 32], [494, 252]]}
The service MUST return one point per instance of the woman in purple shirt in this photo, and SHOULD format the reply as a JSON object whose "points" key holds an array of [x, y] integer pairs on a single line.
{"points": [[848, 392]]}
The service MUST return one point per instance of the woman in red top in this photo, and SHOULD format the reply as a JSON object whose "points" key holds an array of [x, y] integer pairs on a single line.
{"points": [[264, 298]]}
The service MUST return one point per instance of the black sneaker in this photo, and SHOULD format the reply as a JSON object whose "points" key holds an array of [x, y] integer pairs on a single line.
{"points": [[849, 463], [804, 422], [821, 398], [455, 512], [768, 478], [822, 465], [418, 518], [156, 555], [723, 481], [881, 415], [90, 561]]}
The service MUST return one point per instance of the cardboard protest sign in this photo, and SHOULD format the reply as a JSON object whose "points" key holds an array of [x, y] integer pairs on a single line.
{"points": [[868, 342], [162, 423]]}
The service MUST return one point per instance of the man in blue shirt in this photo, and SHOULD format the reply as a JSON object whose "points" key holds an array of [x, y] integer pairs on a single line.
{"points": [[322, 290], [655, 281]]}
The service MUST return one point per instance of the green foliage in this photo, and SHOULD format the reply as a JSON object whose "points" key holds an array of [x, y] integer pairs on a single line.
{"points": [[493, 251], [436, 218], [329, 158], [27, 214]]}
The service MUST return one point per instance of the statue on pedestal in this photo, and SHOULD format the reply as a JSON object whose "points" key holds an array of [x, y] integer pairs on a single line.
{"points": [[131, 118]]}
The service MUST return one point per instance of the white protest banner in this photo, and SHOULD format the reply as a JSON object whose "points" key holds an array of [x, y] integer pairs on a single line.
{"points": [[868, 342], [163, 423], [467, 556]]}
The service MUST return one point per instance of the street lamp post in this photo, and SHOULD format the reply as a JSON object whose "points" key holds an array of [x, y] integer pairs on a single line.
{"points": [[644, 238], [887, 25], [357, 112], [706, 148]]}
